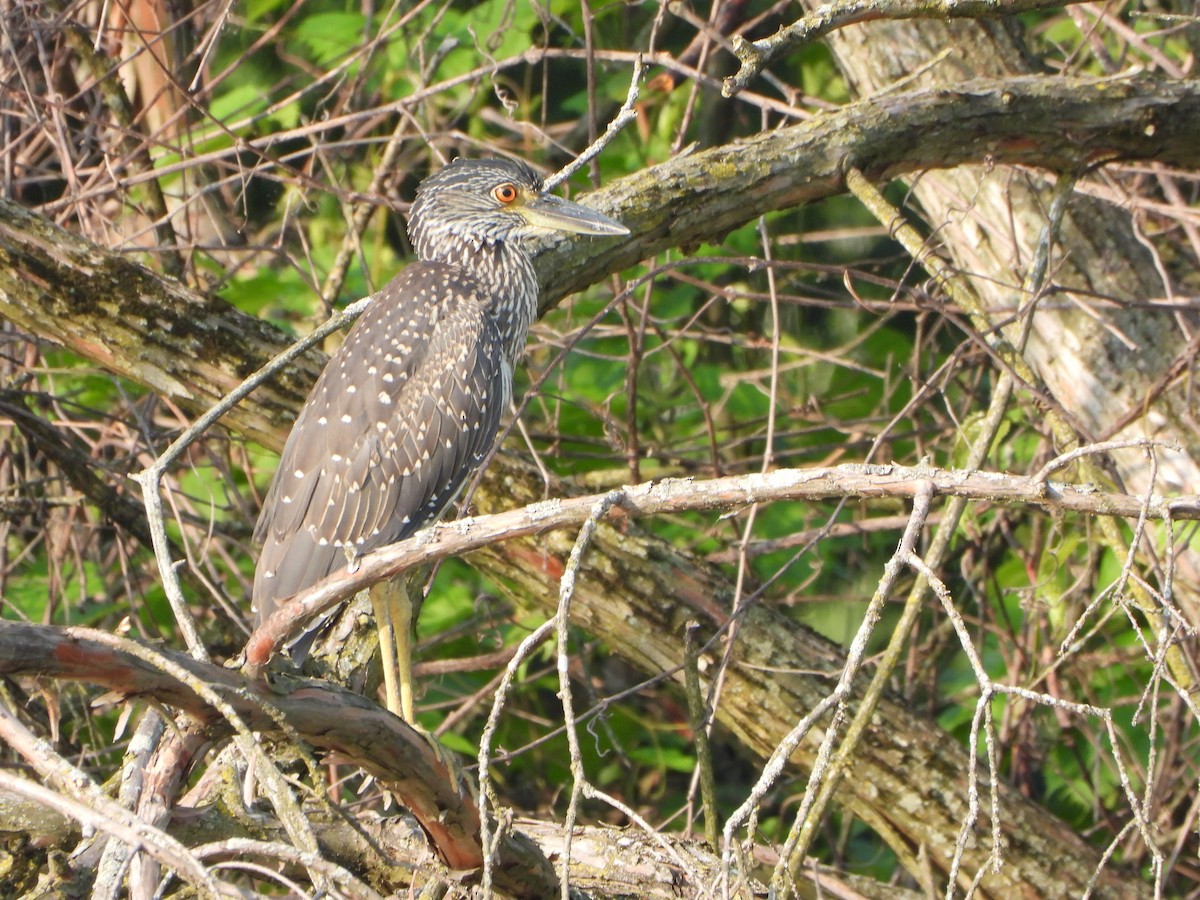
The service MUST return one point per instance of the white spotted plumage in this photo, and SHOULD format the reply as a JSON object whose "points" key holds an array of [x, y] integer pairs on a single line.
{"points": [[411, 402]]}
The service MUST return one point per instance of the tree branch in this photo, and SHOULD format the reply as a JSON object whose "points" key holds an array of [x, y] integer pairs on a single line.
{"points": [[195, 349], [676, 495], [329, 717]]}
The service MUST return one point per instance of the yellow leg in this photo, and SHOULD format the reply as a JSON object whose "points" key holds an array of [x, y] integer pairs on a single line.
{"points": [[393, 614]]}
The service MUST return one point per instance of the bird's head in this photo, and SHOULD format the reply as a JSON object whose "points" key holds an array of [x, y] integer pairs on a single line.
{"points": [[489, 201]]}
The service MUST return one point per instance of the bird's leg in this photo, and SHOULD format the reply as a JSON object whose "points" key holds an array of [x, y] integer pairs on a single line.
{"points": [[393, 614]]}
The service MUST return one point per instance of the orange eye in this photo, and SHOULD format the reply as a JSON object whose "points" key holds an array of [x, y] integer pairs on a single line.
{"points": [[505, 193]]}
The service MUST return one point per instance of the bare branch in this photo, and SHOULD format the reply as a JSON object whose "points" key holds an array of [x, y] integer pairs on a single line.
{"points": [[624, 116], [675, 495], [92, 807], [326, 716]]}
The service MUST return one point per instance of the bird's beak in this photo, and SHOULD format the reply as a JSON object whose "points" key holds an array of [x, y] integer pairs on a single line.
{"points": [[555, 214]]}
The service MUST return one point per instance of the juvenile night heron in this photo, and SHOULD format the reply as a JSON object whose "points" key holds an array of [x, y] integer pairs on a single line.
{"points": [[409, 406]]}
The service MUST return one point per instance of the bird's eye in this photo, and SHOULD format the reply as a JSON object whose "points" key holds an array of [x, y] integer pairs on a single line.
{"points": [[506, 193]]}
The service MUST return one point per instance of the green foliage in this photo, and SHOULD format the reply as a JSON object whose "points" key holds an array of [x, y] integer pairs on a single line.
{"points": [[330, 37]]}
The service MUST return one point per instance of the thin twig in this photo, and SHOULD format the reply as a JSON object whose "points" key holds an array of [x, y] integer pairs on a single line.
{"points": [[624, 116], [491, 842], [989, 688], [117, 853], [562, 620], [811, 805], [1065, 459], [348, 884], [698, 714]]}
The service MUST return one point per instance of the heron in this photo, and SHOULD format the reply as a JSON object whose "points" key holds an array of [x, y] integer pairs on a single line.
{"points": [[410, 404]]}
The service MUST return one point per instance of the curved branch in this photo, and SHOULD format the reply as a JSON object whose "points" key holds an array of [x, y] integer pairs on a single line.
{"points": [[1061, 124], [327, 716]]}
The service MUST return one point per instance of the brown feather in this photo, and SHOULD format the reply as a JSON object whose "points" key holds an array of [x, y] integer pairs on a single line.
{"points": [[341, 479]]}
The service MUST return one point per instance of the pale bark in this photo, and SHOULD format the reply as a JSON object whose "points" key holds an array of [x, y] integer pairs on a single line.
{"points": [[1105, 356]]}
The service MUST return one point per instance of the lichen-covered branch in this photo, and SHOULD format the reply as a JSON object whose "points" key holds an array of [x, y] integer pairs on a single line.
{"points": [[196, 349]]}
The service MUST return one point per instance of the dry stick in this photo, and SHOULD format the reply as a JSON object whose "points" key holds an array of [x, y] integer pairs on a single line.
{"points": [[835, 700], [674, 495], [1149, 699], [720, 34], [490, 842], [163, 774], [113, 860], [740, 599], [556, 624], [698, 713], [624, 116], [990, 688], [349, 885], [580, 786], [562, 620], [1059, 462], [995, 859], [757, 55], [804, 830]]}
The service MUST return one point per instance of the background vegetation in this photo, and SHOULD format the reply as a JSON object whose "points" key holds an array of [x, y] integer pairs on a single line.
{"points": [[263, 154]]}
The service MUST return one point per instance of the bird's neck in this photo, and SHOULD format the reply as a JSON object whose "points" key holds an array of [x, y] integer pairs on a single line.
{"points": [[506, 274]]}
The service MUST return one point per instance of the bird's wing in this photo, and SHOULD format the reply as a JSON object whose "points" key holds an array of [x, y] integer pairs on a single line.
{"points": [[405, 410]]}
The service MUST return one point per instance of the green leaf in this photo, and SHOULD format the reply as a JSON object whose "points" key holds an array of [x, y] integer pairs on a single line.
{"points": [[332, 36]]}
